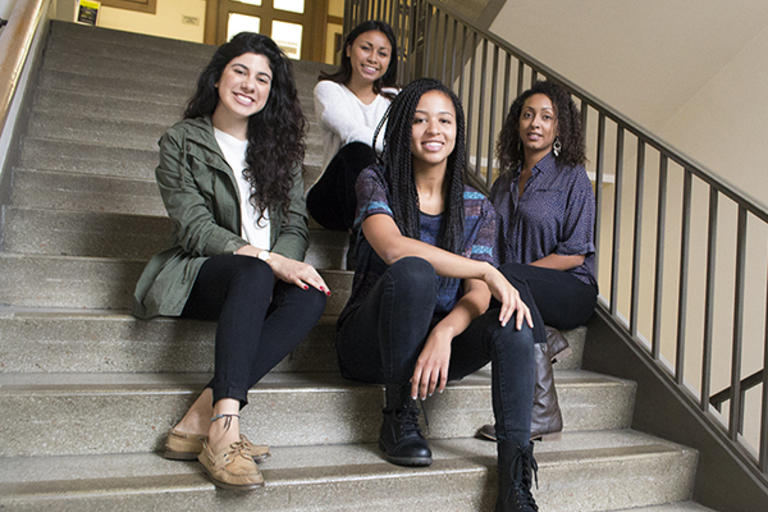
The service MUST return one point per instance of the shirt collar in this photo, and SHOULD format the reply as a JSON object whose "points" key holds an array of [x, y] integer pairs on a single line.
{"points": [[546, 165]]}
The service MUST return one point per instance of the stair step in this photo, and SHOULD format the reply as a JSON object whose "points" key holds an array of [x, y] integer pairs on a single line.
{"points": [[59, 190], [88, 104], [574, 474], [114, 132], [99, 283], [310, 408], [683, 506], [116, 235], [88, 158], [72, 34], [92, 341], [93, 104]]}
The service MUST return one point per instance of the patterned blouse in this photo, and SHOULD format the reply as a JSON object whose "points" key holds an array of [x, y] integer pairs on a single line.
{"points": [[479, 236], [555, 214]]}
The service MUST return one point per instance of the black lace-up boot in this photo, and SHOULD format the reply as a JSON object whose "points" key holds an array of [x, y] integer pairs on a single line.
{"points": [[516, 466], [400, 438]]}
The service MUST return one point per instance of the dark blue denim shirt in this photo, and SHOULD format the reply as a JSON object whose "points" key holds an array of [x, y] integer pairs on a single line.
{"points": [[555, 214]]}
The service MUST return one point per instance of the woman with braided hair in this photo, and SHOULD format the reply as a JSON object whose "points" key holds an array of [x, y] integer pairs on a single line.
{"points": [[419, 313]]}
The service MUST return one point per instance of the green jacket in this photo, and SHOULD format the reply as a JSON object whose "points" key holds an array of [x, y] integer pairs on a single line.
{"points": [[200, 193]]}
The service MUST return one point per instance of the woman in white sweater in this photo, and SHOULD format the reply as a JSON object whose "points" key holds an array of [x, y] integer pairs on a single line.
{"points": [[350, 103]]}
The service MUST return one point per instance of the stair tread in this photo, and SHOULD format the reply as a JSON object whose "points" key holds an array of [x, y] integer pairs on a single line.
{"points": [[34, 383], [299, 463]]}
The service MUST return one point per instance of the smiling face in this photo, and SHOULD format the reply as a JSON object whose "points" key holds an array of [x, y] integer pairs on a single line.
{"points": [[433, 133], [243, 88], [537, 125], [369, 56]]}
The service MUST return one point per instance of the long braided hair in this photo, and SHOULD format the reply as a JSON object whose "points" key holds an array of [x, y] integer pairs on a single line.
{"points": [[396, 166], [275, 134]]}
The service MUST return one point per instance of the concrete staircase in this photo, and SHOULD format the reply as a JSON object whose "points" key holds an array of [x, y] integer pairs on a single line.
{"points": [[88, 392]]}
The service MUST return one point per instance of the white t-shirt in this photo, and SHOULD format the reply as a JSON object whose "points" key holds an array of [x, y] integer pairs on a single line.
{"points": [[233, 149], [344, 118]]}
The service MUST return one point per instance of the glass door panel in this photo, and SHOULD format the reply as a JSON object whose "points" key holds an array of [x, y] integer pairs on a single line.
{"points": [[290, 5], [242, 23], [288, 37]]}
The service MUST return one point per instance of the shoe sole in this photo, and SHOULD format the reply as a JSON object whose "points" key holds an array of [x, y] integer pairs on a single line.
{"points": [[551, 436], [409, 461], [172, 455], [232, 487]]}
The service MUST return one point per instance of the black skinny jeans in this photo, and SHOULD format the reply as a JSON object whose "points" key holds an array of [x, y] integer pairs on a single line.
{"points": [[555, 298], [259, 320], [380, 341], [332, 201]]}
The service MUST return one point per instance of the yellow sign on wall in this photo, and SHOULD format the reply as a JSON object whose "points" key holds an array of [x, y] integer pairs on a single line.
{"points": [[87, 12]]}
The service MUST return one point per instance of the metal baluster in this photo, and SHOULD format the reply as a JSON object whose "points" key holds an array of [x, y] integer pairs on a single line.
{"points": [[682, 298], [492, 128], [599, 160], [534, 76], [709, 304], [427, 46], [617, 219], [463, 67], [507, 73], [520, 73], [735, 417], [469, 103], [443, 45], [763, 441], [658, 289], [637, 241], [481, 108], [454, 37]]}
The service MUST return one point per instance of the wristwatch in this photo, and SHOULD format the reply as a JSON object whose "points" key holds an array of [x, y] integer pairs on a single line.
{"points": [[264, 255]]}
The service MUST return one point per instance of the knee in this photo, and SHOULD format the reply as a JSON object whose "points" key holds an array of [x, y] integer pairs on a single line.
{"points": [[514, 344], [314, 302], [416, 276], [512, 271], [249, 271]]}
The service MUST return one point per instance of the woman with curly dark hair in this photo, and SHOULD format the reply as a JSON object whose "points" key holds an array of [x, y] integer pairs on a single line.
{"points": [[349, 105], [419, 313], [230, 178], [547, 210]]}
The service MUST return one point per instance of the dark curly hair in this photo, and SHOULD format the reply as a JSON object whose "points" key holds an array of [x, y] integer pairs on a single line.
{"points": [[396, 166], [509, 149], [344, 72], [275, 133]]}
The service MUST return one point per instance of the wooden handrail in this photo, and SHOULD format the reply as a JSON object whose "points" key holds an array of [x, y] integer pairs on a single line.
{"points": [[15, 41]]}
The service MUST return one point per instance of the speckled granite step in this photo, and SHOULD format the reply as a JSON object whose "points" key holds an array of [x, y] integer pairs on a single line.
{"points": [[98, 283], [310, 408], [583, 472]]}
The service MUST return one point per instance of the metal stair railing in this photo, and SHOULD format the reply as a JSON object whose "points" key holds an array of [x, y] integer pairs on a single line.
{"points": [[653, 192]]}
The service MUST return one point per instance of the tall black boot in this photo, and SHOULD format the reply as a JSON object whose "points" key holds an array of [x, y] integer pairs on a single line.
{"points": [[400, 438], [515, 466]]}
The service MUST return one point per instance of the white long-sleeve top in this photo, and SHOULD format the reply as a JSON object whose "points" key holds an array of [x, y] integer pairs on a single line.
{"points": [[344, 118]]}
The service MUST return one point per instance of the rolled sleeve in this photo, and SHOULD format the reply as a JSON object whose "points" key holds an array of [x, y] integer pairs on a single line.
{"points": [[579, 220]]}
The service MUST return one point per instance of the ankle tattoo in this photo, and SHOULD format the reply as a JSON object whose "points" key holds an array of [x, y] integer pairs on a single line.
{"points": [[227, 419]]}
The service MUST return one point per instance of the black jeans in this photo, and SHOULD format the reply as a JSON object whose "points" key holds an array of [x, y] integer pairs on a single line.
{"points": [[259, 320], [332, 201], [556, 298], [380, 341]]}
